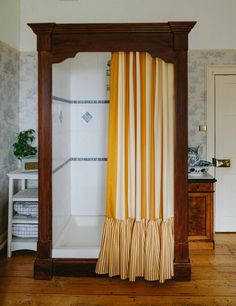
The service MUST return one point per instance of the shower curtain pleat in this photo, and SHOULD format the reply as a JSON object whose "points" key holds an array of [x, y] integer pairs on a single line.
{"points": [[138, 236], [152, 250]]}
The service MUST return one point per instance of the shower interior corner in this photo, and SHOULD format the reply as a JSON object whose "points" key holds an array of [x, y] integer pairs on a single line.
{"points": [[80, 107]]}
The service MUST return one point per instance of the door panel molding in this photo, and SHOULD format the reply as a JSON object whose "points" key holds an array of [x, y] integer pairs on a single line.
{"points": [[211, 72]]}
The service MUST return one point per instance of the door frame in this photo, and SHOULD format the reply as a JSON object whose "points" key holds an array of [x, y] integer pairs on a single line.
{"points": [[211, 72]]}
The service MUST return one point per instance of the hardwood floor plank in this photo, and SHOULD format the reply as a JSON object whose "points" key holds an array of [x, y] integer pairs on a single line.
{"points": [[98, 300], [214, 273], [210, 261], [213, 283], [13, 270], [222, 249], [73, 286]]}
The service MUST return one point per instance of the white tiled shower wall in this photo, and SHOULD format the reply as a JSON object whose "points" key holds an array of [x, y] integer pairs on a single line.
{"points": [[89, 97], [80, 126], [88, 76], [61, 148], [89, 145]]}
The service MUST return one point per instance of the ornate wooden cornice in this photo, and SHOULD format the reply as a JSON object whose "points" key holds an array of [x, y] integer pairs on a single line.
{"points": [[65, 40]]}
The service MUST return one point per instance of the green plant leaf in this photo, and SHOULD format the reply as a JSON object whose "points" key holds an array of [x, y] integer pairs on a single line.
{"points": [[23, 145]]}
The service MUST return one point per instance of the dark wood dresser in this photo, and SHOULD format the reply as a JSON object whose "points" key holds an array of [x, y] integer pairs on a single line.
{"points": [[201, 212]]}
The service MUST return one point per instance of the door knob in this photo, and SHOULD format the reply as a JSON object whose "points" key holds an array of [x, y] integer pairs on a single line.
{"points": [[221, 163]]}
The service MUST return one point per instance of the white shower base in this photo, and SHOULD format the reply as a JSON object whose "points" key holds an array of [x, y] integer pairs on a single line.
{"points": [[80, 238]]}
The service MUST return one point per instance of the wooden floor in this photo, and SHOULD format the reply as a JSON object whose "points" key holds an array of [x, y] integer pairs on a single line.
{"points": [[213, 283]]}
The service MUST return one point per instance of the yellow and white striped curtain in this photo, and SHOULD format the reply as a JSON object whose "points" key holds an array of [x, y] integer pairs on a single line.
{"points": [[138, 237]]}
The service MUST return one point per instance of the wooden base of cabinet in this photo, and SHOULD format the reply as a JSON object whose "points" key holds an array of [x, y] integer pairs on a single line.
{"points": [[46, 269], [204, 245], [43, 269], [201, 214], [74, 267], [182, 271]]}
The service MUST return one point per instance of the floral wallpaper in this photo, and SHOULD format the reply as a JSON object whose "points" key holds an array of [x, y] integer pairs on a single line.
{"points": [[197, 62], [28, 116], [28, 96], [9, 122]]}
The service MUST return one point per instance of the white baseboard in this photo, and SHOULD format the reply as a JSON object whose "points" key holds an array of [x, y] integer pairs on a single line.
{"points": [[3, 240]]}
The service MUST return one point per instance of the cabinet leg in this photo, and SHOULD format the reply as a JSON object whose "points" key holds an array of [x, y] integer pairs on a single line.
{"points": [[182, 271], [43, 268]]}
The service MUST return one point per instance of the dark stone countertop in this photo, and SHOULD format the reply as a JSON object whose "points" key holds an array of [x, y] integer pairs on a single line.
{"points": [[205, 178]]}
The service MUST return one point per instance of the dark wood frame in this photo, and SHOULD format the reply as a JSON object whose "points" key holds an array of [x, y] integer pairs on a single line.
{"points": [[55, 43]]}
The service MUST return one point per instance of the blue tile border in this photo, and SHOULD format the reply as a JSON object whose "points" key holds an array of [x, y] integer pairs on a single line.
{"points": [[80, 101], [90, 101], [87, 159], [61, 99], [61, 166]]}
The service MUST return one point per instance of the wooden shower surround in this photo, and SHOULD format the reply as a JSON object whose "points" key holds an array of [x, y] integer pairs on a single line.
{"points": [[55, 43]]}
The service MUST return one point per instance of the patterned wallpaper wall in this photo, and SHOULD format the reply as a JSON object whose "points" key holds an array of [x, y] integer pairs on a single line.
{"points": [[197, 62], [28, 103], [9, 124]]}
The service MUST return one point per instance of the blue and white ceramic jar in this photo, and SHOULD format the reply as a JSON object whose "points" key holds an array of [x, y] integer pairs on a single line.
{"points": [[197, 166], [193, 156]]}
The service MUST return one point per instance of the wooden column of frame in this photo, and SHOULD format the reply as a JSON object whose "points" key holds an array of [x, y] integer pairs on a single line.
{"points": [[55, 43]]}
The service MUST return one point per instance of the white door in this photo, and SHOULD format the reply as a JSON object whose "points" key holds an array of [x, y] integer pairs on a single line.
{"points": [[225, 148]]}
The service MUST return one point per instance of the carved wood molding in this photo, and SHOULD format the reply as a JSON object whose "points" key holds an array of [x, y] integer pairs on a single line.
{"points": [[159, 39], [76, 28]]}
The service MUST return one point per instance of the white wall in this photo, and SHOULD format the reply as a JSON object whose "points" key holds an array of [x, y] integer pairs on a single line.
{"points": [[61, 181], [10, 22], [215, 29], [62, 79], [89, 139], [61, 113], [79, 187], [88, 188], [88, 76]]}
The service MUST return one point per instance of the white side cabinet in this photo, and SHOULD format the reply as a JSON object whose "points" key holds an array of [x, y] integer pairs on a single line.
{"points": [[24, 194]]}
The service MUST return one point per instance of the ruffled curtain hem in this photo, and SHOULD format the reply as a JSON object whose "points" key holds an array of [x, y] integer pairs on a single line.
{"points": [[134, 248]]}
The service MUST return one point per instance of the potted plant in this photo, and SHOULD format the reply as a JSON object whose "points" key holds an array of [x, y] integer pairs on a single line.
{"points": [[25, 151]]}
